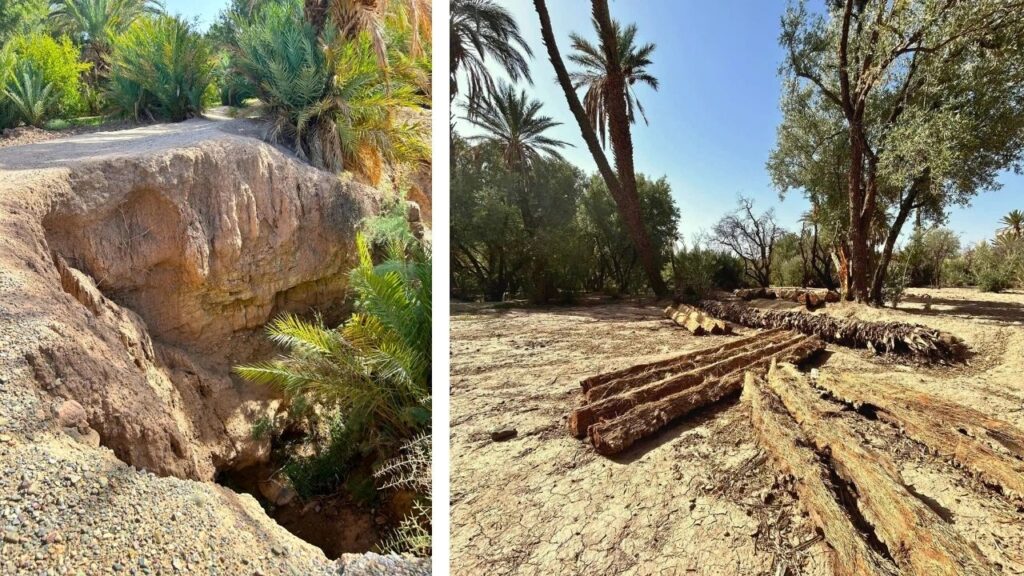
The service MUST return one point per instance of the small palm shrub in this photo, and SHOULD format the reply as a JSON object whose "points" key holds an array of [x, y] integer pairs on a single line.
{"points": [[93, 24], [160, 68], [326, 96], [31, 98], [374, 371], [57, 62]]}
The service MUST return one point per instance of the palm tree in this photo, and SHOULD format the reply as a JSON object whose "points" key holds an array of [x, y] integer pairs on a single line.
{"points": [[332, 103], [478, 29], [622, 181], [515, 127], [94, 23], [375, 369], [633, 61], [514, 124], [1013, 224]]}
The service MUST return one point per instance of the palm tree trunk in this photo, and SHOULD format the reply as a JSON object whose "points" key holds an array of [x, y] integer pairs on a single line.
{"points": [[622, 186], [316, 14]]}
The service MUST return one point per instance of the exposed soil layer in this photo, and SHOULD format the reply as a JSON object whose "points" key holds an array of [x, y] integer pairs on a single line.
{"points": [[702, 496]]}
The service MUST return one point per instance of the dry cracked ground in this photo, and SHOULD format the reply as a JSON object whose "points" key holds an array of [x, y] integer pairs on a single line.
{"points": [[701, 497], [136, 268]]}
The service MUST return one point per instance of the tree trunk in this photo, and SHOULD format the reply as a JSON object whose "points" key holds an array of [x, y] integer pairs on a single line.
{"points": [[614, 436], [779, 434], [611, 400], [842, 263], [917, 539], [316, 14], [906, 206], [623, 186], [858, 224], [991, 449], [920, 342]]}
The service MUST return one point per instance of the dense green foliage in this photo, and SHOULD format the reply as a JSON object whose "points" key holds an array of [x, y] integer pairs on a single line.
{"points": [[159, 69], [21, 17], [326, 96], [934, 116], [375, 370], [363, 388], [56, 60], [546, 235], [94, 24]]}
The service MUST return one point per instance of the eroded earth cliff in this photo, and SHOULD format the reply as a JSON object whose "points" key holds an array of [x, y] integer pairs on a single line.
{"points": [[136, 268]]}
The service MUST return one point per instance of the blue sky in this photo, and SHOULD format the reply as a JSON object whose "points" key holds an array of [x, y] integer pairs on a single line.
{"points": [[713, 119], [205, 11]]}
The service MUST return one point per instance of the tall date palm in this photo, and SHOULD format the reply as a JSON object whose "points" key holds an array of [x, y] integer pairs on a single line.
{"points": [[1013, 224], [479, 29], [633, 61], [622, 181], [514, 124]]}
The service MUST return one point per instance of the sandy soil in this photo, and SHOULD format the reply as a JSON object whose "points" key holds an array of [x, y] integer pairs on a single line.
{"points": [[701, 497]]}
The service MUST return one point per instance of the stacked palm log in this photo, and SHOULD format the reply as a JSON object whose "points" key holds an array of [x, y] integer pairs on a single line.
{"points": [[810, 297], [913, 340], [873, 522], [624, 406], [696, 321]]}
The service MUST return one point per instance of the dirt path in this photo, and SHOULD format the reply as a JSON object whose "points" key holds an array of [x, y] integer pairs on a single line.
{"points": [[700, 498], [96, 146]]}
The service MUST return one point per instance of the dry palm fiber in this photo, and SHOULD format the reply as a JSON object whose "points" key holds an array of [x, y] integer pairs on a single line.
{"points": [[914, 340]]}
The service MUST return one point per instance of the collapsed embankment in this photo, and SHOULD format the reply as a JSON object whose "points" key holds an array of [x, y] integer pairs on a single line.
{"points": [[138, 267]]}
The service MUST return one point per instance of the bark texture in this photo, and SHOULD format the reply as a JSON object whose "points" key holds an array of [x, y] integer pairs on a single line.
{"points": [[790, 451], [989, 448], [912, 340], [614, 424], [908, 531]]}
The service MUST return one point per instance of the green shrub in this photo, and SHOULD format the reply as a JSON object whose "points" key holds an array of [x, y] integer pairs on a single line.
{"points": [[957, 272], [159, 70], [327, 97], [31, 98], [993, 280], [374, 371], [994, 266], [57, 62], [699, 271]]}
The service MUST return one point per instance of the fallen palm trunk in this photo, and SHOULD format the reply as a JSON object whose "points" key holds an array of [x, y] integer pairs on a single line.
{"points": [[989, 448], [913, 340], [811, 297], [693, 361], [614, 436], [669, 364], [696, 321], [917, 539], [612, 406], [778, 433]]}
